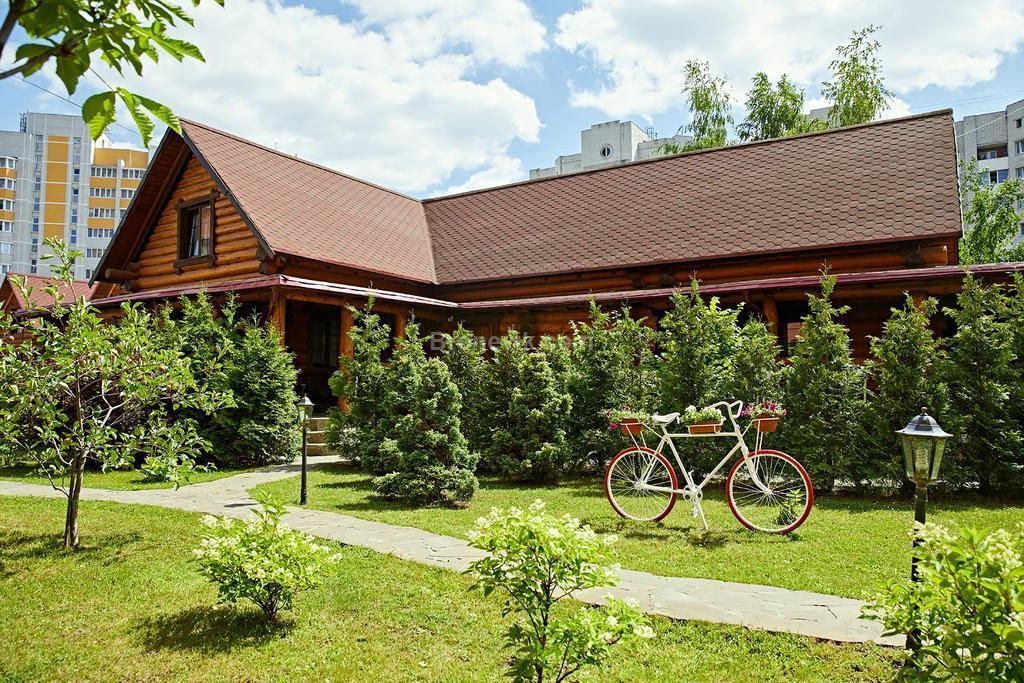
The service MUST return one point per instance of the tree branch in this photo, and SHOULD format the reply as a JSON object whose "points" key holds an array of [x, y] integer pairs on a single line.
{"points": [[64, 48]]}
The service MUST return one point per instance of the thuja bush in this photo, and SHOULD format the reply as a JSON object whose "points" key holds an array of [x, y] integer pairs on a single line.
{"points": [[967, 608], [364, 383], [824, 389], [756, 368], [697, 342], [611, 366], [536, 560], [983, 372], [261, 559], [463, 355], [525, 412], [906, 368], [244, 359], [432, 461]]}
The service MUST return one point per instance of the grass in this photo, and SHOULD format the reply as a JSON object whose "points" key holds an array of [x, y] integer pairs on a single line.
{"points": [[116, 480], [848, 546], [132, 606]]}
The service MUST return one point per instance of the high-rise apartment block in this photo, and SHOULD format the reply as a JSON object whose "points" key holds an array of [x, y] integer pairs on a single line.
{"points": [[610, 144], [56, 182]]}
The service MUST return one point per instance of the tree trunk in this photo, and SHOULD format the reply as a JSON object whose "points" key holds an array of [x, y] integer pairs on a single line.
{"points": [[71, 539]]}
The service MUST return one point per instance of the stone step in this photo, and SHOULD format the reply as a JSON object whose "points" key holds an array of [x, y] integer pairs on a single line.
{"points": [[319, 449]]}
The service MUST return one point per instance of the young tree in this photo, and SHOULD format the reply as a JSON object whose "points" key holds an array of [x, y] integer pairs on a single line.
{"points": [[907, 371], [823, 396], [120, 33], [525, 412], [423, 442], [857, 89], [991, 218], [612, 367], [981, 372], [80, 390], [710, 109], [775, 112]]}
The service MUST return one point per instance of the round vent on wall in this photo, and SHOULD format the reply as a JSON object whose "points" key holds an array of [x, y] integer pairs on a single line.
{"points": [[606, 151]]}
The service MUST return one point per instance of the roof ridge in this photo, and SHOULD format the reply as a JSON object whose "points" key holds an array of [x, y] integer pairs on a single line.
{"points": [[713, 150], [297, 158]]}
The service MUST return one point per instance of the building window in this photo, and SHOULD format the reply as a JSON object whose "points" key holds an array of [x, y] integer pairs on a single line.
{"points": [[127, 194], [994, 177], [1019, 146], [94, 252], [100, 233], [35, 223], [101, 192], [1017, 123], [74, 236], [35, 245], [8, 205], [88, 273], [32, 267], [606, 151], [96, 212], [103, 172], [8, 162], [6, 226], [195, 230], [5, 247], [6, 183], [133, 173], [991, 153], [4, 268], [1020, 172]]}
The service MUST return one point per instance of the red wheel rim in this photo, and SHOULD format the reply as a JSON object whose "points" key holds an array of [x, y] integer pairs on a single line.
{"points": [[608, 482], [803, 475]]}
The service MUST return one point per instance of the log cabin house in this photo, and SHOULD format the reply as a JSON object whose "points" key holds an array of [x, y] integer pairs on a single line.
{"points": [[878, 204]]}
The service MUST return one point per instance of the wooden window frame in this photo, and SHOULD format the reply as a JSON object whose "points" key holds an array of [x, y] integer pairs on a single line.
{"points": [[183, 208]]}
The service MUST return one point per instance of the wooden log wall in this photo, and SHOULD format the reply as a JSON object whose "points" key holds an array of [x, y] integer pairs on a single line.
{"points": [[234, 243]]}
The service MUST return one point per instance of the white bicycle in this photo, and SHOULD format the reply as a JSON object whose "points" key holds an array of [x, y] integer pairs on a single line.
{"points": [[767, 490]]}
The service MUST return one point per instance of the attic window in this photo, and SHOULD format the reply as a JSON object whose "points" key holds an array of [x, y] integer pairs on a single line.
{"points": [[606, 151], [195, 232]]}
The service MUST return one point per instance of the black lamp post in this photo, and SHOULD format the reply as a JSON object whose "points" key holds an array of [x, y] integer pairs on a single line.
{"points": [[923, 442], [305, 412]]}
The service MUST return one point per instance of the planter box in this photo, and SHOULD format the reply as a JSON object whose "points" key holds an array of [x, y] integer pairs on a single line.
{"points": [[766, 424], [631, 427], [710, 427]]}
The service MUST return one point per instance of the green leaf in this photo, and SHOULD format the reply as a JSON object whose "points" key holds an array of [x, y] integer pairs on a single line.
{"points": [[99, 112], [162, 112], [71, 68], [142, 121]]}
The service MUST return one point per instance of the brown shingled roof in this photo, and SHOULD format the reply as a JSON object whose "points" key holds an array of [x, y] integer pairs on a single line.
{"points": [[879, 182], [889, 180], [304, 209], [14, 301]]}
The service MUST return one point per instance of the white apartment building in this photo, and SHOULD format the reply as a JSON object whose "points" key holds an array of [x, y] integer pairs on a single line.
{"points": [[609, 144]]}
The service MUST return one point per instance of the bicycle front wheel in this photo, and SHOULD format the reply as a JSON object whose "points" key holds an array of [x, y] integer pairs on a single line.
{"points": [[641, 484], [769, 491]]}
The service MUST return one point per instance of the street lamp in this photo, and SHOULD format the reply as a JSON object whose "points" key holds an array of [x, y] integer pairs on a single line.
{"points": [[305, 407], [923, 442]]}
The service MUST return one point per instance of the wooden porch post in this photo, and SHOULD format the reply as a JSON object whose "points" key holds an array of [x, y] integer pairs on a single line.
{"points": [[346, 344], [400, 324], [771, 313], [278, 304]]}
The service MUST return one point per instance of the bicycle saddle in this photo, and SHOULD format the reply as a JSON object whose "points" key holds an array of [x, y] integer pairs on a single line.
{"points": [[665, 419]]}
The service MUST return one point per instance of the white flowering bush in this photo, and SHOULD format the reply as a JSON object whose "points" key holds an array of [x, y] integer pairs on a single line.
{"points": [[535, 560], [967, 609], [261, 559]]}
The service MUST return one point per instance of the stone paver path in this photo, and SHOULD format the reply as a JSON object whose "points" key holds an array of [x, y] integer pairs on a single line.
{"points": [[754, 606]]}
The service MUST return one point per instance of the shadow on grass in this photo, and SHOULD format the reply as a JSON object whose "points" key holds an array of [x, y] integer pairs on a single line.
{"points": [[210, 629], [17, 547]]}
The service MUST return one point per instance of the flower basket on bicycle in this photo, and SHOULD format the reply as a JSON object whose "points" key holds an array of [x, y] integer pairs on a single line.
{"points": [[629, 422], [766, 424], [765, 415], [702, 420], [631, 427]]}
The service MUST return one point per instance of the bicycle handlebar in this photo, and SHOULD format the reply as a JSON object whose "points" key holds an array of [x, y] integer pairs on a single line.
{"points": [[738, 405]]}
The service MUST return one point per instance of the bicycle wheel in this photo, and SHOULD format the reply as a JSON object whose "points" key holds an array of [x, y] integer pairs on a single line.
{"points": [[769, 491], [626, 480]]}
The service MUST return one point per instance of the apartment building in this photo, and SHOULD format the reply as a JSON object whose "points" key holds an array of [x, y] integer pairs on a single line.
{"points": [[609, 144], [996, 141], [56, 182]]}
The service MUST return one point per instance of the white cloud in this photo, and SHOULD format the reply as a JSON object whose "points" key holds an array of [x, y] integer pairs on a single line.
{"points": [[374, 97], [639, 48], [503, 169]]}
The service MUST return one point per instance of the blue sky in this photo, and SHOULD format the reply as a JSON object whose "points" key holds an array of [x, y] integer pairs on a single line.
{"points": [[443, 95]]}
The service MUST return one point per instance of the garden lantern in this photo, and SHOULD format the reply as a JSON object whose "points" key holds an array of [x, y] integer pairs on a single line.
{"points": [[923, 442], [305, 407]]}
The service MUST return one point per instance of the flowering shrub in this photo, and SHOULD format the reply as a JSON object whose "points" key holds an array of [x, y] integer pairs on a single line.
{"points": [[967, 607], [261, 559], [537, 559], [693, 414], [764, 409]]}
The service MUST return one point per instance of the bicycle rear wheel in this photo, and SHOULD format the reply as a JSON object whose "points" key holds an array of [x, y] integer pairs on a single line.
{"points": [[628, 477], [769, 491]]}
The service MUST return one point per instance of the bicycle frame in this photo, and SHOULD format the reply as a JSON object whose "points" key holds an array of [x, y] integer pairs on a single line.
{"points": [[694, 492]]}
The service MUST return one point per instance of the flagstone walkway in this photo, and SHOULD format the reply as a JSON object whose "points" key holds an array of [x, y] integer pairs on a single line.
{"points": [[759, 607]]}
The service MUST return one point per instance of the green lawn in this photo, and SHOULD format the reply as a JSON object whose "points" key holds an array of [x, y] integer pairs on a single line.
{"points": [[847, 546], [117, 480], [132, 606]]}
